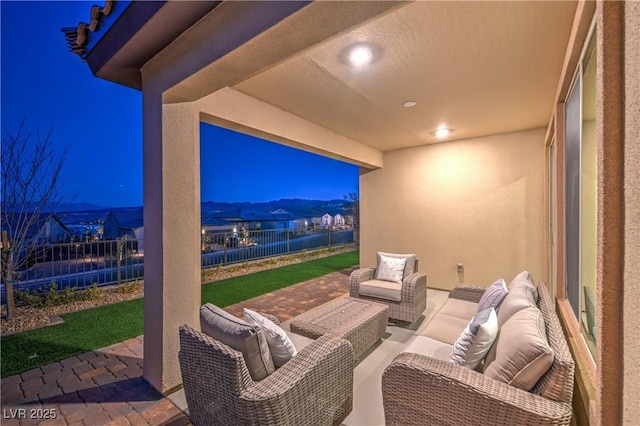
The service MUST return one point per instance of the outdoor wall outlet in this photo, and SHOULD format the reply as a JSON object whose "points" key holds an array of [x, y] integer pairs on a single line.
{"points": [[460, 267]]}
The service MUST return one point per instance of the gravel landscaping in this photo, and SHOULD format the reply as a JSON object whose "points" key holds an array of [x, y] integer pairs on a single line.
{"points": [[26, 317]]}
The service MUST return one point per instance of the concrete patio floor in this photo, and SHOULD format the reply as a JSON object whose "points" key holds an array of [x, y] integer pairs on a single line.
{"points": [[105, 386]]}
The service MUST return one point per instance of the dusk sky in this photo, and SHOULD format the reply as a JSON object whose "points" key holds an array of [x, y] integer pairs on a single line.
{"points": [[101, 124]]}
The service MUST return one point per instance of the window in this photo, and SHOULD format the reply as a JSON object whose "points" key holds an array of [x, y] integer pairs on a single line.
{"points": [[581, 194]]}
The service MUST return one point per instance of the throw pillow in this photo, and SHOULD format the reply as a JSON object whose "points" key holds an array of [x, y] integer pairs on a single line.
{"points": [[525, 279], [390, 268], [409, 267], [280, 346], [521, 353], [493, 296], [476, 339], [241, 336], [520, 296]]}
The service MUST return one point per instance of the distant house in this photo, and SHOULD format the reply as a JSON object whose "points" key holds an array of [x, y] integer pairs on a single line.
{"points": [[211, 223], [256, 220], [119, 223], [41, 228], [283, 219], [332, 218]]}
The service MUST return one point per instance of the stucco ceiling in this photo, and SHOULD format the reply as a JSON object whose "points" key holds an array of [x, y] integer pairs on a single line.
{"points": [[479, 68]]}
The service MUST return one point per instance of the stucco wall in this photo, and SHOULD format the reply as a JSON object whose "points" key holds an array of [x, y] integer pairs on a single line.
{"points": [[631, 386], [478, 202]]}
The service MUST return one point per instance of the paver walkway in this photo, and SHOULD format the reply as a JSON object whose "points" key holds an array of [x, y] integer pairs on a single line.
{"points": [[105, 386]]}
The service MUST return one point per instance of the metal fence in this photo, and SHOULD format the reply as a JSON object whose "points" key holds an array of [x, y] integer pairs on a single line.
{"points": [[79, 265], [83, 264], [223, 248]]}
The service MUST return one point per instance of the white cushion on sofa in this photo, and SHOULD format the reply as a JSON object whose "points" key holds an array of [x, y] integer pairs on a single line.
{"points": [[524, 278], [521, 353], [381, 289], [476, 339], [518, 298]]}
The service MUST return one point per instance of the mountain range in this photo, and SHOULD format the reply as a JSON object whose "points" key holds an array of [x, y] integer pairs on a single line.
{"points": [[85, 213]]}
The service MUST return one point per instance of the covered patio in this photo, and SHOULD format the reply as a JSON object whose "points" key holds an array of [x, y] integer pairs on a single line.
{"points": [[455, 113], [106, 387]]}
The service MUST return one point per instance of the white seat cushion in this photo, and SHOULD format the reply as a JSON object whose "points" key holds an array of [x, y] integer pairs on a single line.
{"points": [[430, 347], [299, 341], [381, 289], [445, 328], [459, 308]]}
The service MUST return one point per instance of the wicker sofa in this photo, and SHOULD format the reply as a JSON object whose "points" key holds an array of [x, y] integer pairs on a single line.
{"points": [[423, 386], [315, 387]]}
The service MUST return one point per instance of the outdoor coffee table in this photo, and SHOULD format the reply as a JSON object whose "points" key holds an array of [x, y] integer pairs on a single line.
{"points": [[361, 322]]}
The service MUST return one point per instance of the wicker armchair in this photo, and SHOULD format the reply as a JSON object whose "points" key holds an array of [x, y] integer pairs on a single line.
{"points": [[413, 293], [419, 390], [314, 388]]}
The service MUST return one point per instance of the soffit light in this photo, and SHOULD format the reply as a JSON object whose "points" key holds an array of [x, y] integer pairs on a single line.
{"points": [[360, 56], [409, 104], [442, 132]]}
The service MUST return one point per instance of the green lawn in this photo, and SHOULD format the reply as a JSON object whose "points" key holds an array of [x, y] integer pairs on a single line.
{"points": [[98, 327]]}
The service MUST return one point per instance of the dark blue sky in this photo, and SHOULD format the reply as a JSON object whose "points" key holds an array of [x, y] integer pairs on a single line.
{"points": [[100, 123]]}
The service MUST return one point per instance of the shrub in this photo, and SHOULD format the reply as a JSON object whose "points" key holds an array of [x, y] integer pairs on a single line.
{"points": [[129, 288], [51, 296], [94, 292]]}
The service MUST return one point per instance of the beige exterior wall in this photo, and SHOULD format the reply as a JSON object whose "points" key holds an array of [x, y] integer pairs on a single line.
{"points": [[478, 202], [631, 385]]}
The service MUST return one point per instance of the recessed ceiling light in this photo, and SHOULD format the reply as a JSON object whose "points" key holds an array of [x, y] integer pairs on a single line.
{"points": [[360, 56], [409, 104], [442, 132]]}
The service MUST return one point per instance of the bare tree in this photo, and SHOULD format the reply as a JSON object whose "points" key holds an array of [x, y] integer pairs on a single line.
{"points": [[354, 209], [31, 191]]}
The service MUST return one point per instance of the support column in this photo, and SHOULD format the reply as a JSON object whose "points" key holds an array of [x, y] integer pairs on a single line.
{"points": [[171, 156]]}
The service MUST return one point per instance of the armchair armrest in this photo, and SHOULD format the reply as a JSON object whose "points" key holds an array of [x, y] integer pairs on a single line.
{"points": [[412, 284], [470, 293], [413, 385], [358, 276], [318, 381]]}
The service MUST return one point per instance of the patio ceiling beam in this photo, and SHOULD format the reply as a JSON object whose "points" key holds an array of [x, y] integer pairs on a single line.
{"points": [[234, 110]]}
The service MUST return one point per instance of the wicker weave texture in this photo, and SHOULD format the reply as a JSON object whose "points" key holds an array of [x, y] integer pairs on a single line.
{"points": [[360, 322], [467, 293], [413, 294], [557, 382], [313, 388], [420, 390]]}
